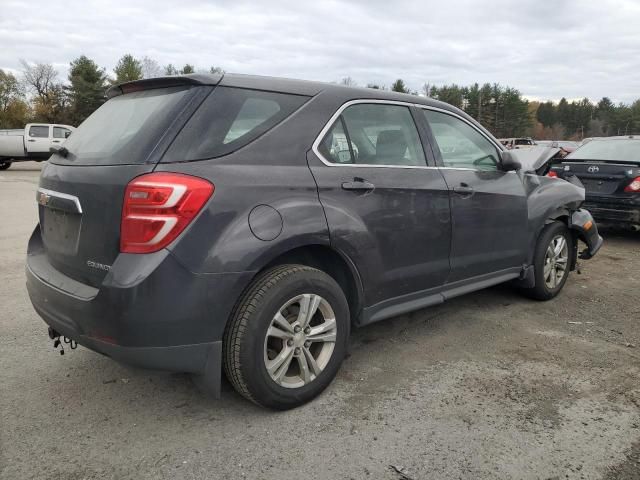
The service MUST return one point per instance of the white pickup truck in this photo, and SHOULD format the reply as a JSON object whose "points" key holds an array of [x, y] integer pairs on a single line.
{"points": [[31, 143]]}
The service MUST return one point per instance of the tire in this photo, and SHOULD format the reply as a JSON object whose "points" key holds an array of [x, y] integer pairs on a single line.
{"points": [[4, 165], [548, 286], [249, 348]]}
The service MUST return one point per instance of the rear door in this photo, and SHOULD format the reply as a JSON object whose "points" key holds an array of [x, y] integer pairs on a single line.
{"points": [[488, 206], [386, 207], [60, 134], [38, 140]]}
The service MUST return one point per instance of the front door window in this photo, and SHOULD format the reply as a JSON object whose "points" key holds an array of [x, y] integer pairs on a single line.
{"points": [[461, 146]]}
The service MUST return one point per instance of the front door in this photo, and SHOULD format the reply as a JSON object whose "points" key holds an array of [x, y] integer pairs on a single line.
{"points": [[387, 210], [488, 206], [38, 140]]}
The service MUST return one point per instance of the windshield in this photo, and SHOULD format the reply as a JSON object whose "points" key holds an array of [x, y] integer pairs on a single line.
{"points": [[125, 129], [625, 150]]}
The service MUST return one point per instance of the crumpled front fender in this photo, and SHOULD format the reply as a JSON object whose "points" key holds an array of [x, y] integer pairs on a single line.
{"points": [[585, 226]]}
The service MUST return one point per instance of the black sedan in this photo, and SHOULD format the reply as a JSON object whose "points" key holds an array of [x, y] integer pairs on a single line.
{"points": [[609, 168]]}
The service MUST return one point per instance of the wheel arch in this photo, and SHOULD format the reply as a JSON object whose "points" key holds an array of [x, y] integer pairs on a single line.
{"points": [[555, 214], [561, 214], [334, 263]]}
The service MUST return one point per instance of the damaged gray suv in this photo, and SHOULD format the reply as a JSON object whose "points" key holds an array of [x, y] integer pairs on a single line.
{"points": [[245, 224]]}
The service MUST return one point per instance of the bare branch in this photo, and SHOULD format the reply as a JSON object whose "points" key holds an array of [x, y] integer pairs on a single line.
{"points": [[39, 77]]}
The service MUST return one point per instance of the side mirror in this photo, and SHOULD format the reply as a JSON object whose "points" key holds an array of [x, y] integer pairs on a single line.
{"points": [[58, 150], [508, 162], [66, 134]]}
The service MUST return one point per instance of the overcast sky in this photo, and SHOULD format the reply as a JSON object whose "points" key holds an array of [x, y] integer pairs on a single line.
{"points": [[546, 49]]}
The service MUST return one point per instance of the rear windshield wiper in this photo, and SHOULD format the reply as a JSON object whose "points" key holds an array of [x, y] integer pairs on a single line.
{"points": [[59, 149]]}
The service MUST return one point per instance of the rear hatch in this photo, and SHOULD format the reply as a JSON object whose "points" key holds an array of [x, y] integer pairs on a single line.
{"points": [[81, 189]]}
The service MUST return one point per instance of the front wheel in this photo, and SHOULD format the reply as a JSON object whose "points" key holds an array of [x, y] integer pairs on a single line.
{"points": [[287, 337], [551, 261], [4, 165]]}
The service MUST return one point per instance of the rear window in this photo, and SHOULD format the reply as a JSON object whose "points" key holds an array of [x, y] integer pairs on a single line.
{"points": [[125, 129], [229, 119], [620, 149]]}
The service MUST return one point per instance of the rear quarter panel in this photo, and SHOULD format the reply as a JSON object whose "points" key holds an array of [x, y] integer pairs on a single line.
{"points": [[273, 171], [221, 239]]}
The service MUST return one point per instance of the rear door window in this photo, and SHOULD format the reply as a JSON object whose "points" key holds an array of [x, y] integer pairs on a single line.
{"points": [[229, 119], [59, 132], [376, 134], [335, 146]]}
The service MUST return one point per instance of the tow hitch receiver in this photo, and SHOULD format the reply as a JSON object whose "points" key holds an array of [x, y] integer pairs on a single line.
{"points": [[55, 336]]}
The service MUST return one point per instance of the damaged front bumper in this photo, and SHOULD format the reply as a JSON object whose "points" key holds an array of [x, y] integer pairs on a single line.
{"points": [[585, 226]]}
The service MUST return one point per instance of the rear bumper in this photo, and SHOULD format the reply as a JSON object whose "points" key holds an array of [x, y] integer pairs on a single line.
{"points": [[177, 358], [150, 311], [614, 211]]}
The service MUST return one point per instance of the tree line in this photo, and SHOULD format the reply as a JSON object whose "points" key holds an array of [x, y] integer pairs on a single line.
{"points": [[39, 95], [506, 113]]}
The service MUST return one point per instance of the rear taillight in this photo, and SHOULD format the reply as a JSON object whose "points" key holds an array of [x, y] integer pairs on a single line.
{"points": [[552, 174], [634, 186], [157, 208]]}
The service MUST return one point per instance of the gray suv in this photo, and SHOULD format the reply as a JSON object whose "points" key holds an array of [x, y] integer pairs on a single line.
{"points": [[244, 224]]}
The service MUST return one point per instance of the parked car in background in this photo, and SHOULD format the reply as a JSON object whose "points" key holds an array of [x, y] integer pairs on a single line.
{"points": [[521, 142], [204, 223], [33, 142], [609, 168]]}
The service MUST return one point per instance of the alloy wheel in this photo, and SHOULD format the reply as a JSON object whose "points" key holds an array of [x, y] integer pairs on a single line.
{"points": [[300, 340], [556, 261]]}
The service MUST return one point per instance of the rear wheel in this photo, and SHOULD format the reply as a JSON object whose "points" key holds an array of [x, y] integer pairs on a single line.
{"points": [[287, 337], [4, 164], [552, 258]]}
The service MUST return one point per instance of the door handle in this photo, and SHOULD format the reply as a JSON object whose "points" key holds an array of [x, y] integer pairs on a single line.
{"points": [[463, 189], [31, 140], [55, 141], [358, 184]]}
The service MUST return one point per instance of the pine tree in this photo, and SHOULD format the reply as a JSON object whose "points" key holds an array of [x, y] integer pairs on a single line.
{"points": [[399, 86], [87, 88], [128, 69]]}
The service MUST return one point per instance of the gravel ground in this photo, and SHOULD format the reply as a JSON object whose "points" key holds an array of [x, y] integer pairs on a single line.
{"points": [[489, 385]]}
